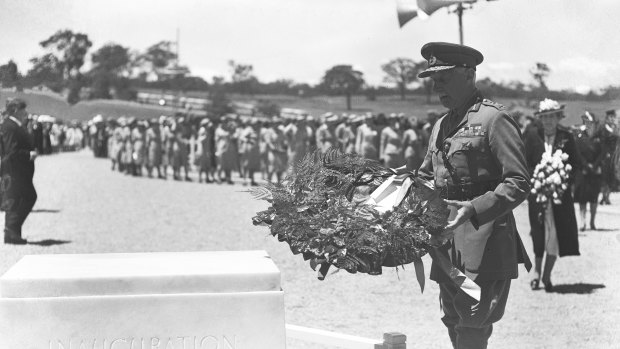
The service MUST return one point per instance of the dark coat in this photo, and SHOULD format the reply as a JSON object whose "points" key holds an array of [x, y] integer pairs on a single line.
{"points": [[564, 214], [16, 168]]}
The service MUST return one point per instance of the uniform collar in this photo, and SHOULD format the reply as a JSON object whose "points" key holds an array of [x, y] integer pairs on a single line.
{"points": [[472, 104], [15, 120]]}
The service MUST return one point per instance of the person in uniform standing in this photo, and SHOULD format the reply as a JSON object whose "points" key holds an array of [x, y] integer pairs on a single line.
{"points": [[411, 143], [391, 145], [203, 151], [609, 137], [249, 151], [476, 158], [276, 151], [367, 139], [326, 134], [154, 155], [17, 154], [297, 139]]}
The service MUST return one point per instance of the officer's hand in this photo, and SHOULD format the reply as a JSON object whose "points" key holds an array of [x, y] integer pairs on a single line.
{"points": [[465, 210], [33, 155]]}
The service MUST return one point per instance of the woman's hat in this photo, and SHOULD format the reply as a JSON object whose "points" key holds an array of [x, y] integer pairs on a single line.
{"points": [[587, 116], [548, 107]]}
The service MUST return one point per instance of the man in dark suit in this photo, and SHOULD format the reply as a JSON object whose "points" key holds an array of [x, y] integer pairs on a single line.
{"points": [[17, 154], [476, 158]]}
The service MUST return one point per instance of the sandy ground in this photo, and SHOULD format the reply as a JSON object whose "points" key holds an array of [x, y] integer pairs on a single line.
{"points": [[84, 207]]}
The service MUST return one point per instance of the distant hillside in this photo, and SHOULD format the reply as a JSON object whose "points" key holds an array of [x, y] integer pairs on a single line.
{"points": [[42, 103]]}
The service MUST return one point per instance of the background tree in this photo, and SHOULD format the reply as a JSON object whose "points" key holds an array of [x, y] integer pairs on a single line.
{"points": [[70, 48], [46, 70], [540, 73], [402, 72], [110, 64], [343, 79], [156, 58], [9, 75], [242, 77], [220, 104]]}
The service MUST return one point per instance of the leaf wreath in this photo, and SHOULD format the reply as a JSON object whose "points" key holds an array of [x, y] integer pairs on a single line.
{"points": [[320, 210]]}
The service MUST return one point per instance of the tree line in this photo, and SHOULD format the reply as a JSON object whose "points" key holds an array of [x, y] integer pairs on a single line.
{"points": [[116, 72]]}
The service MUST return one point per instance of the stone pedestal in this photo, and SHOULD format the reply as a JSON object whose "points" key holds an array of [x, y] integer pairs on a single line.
{"points": [[189, 300]]}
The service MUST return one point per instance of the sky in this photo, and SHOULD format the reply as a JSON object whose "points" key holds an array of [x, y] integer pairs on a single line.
{"points": [[301, 39]]}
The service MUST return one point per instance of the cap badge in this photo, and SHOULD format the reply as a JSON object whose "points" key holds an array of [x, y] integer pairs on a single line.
{"points": [[432, 60]]}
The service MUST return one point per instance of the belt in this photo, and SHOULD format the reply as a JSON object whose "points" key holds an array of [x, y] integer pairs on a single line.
{"points": [[468, 191]]}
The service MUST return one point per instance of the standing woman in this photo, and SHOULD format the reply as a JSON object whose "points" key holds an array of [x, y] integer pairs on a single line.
{"points": [[391, 149], [249, 151], [126, 158], [154, 149], [411, 144], [139, 152], [203, 151], [367, 140], [276, 151], [589, 179], [609, 138], [553, 228], [225, 150]]}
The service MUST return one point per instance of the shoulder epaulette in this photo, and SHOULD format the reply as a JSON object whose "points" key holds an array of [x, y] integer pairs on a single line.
{"points": [[495, 105]]}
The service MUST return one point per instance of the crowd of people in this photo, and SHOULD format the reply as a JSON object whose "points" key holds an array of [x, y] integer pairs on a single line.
{"points": [[49, 135], [214, 148]]}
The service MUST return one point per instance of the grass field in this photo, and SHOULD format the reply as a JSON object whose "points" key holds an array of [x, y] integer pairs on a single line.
{"points": [[413, 105]]}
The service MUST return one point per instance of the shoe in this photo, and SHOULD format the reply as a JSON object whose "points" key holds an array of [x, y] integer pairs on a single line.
{"points": [[15, 241], [592, 226], [254, 184], [583, 228], [548, 286], [535, 284]]}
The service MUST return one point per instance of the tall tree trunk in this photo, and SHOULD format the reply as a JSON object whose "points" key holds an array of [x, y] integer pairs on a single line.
{"points": [[348, 101], [402, 91]]}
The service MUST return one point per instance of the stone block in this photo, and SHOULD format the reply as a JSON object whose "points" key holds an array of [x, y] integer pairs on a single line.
{"points": [[189, 300]]}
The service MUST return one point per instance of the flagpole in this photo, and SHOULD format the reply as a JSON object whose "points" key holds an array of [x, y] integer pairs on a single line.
{"points": [[459, 12]]}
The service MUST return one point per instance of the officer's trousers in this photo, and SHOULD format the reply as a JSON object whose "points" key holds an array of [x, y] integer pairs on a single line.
{"points": [[15, 218], [469, 322]]}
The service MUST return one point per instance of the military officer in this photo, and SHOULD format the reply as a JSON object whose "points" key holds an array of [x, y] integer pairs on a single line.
{"points": [[476, 158]]}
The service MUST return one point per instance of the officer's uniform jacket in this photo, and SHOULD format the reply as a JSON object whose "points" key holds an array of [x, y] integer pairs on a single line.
{"points": [[485, 165]]}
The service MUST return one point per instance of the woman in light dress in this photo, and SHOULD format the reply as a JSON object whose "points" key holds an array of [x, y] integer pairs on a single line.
{"points": [[203, 151], [225, 151], [391, 148], [367, 139], [154, 149], [249, 151]]}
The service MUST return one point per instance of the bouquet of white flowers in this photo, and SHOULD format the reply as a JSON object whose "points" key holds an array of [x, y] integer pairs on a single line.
{"points": [[550, 179]]}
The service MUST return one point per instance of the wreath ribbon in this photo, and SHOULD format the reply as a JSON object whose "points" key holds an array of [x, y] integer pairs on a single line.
{"points": [[389, 195]]}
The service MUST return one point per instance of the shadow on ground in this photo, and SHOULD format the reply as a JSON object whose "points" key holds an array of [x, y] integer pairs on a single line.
{"points": [[579, 288], [49, 242], [604, 230], [45, 210]]}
